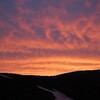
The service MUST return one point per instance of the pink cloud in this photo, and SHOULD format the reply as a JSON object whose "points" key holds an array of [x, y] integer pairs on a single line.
{"points": [[58, 30]]}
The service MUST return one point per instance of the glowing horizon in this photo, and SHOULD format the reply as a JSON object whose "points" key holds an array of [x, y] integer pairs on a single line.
{"points": [[49, 37]]}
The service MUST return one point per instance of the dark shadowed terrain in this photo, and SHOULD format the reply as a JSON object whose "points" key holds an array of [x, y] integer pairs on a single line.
{"points": [[81, 85]]}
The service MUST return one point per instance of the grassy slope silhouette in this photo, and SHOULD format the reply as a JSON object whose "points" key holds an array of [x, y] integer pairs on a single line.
{"points": [[80, 85]]}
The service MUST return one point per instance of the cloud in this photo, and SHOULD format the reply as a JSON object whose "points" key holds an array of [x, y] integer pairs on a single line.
{"points": [[36, 28], [31, 53], [47, 66]]}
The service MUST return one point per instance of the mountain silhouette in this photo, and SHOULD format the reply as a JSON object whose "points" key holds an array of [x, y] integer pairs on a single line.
{"points": [[80, 85]]}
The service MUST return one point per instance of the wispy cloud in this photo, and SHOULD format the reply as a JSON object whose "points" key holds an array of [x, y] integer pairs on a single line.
{"points": [[36, 28]]}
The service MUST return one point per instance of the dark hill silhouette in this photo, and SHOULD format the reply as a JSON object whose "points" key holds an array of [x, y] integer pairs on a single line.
{"points": [[81, 85]]}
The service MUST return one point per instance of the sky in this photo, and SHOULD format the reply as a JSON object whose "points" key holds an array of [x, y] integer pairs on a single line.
{"points": [[49, 37]]}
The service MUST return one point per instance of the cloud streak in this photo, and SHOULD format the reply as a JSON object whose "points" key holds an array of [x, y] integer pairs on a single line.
{"points": [[50, 28]]}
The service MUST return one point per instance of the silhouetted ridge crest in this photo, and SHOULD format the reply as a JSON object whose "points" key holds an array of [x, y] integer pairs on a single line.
{"points": [[80, 85]]}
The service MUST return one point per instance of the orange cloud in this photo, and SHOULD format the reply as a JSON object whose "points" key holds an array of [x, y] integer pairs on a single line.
{"points": [[63, 28], [70, 33], [48, 66]]}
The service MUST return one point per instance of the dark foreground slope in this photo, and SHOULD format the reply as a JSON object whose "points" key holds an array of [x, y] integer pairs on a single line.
{"points": [[82, 85]]}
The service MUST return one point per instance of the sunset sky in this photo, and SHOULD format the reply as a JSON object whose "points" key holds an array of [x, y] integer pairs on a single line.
{"points": [[49, 37]]}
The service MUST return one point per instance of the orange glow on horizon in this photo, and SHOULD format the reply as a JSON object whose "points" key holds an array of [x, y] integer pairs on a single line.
{"points": [[48, 65]]}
